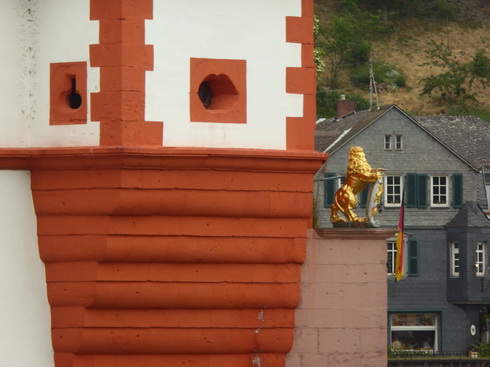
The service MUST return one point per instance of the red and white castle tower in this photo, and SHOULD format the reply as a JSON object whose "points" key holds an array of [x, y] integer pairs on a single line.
{"points": [[156, 179]]}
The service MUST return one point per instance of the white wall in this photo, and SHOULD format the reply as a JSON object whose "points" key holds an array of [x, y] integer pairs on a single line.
{"points": [[253, 30], [25, 322], [14, 83], [34, 34]]}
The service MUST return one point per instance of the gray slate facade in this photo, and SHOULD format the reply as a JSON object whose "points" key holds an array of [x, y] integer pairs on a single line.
{"points": [[442, 304]]}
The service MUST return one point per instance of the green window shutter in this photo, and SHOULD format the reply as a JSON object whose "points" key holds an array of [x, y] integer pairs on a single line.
{"points": [[413, 258], [329, 189], [411, 190], [363, 196], [457, 190], [422, 191]]}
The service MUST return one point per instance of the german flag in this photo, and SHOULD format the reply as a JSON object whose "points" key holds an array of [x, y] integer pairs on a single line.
{"points": [[400, 246]]}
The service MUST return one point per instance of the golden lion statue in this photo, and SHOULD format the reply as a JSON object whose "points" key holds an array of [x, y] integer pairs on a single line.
{"points": [[359, 174]]}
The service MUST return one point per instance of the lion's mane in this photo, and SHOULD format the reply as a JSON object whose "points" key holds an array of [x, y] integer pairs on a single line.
{"points": [[357, 161]]}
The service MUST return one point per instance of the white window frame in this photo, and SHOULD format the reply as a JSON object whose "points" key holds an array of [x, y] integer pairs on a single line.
{"points": [[387, 203], [454, 260], [432, 191], [487, 189], [481, 259], [391, 257], [399, 142], [387, 142], [409, 328]]}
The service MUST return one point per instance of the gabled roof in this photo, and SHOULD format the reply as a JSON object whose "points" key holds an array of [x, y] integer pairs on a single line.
{"points": [[467, 135], [331, 135], [470, 215]]}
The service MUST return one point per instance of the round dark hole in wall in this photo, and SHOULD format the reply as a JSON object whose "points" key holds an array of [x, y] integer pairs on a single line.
{"points": [[205, 94], [74, 98], [217, 92]]}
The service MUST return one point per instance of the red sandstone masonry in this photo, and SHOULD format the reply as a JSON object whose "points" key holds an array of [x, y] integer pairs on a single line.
{"points": [[299, 130], [123, 59], [140, 274], [128, 287]]}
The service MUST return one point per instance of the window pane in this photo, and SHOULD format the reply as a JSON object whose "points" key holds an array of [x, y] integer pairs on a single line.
{"points": [[398, 144], [439, 190], [413, 339], [480, 259], [454, 259], [413, 319], [393, 189], [387, 141], [391, 260]]}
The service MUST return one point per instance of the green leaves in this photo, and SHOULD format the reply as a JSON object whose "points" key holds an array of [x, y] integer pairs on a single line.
{"points": [[346, 38], [456, 78]]}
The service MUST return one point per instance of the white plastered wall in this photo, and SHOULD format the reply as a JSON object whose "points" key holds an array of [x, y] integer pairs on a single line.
{"points": [[13, 80], [253, 30], [36, 33], [25, 321]]}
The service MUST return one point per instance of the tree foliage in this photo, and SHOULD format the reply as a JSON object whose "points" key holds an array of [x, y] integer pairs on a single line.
{"points": [[456, 78], [346, 38], [435, 9]]}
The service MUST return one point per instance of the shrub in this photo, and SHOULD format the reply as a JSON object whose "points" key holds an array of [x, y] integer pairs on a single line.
{"points": [[444, 10], [383, 73], [483, 349]]}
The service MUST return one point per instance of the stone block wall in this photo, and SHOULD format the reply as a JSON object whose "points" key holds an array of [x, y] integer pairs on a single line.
{"points": [[341, 320]]}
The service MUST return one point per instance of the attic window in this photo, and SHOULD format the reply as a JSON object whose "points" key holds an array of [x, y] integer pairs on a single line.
{"points": [[398, 142], [387, 142]]}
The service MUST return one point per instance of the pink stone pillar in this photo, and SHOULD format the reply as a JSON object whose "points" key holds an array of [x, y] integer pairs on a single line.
{"points": [[341, 320]]}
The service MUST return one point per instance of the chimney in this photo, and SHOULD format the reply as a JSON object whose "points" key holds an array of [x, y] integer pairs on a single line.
{"points": [[345, 106]]}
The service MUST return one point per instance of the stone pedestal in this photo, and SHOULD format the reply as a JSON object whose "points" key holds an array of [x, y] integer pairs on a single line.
{"points": [[166, 257], [341, 320]]}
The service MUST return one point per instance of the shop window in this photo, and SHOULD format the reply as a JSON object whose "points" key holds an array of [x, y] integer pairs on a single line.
{"points": [[414, 331]]}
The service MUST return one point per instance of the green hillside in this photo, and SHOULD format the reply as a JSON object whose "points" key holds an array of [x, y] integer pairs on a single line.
{"points": [[437, 46]]}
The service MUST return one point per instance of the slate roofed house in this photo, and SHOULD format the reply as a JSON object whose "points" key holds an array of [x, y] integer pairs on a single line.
{"points": [[441, 163]]}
